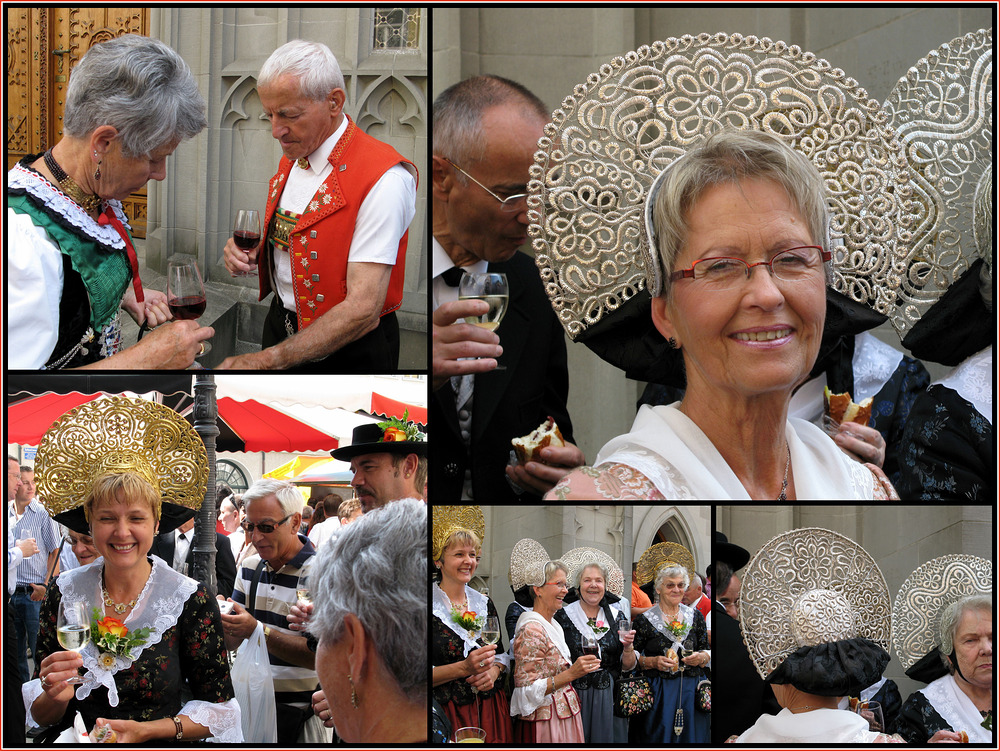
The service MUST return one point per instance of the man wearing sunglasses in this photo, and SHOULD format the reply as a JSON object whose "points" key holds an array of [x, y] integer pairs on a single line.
{"points": [[273, 515], [485, 133]]}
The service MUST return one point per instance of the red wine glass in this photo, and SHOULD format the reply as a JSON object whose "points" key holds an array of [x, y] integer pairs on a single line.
{"points": [[186, 292], [246, 234]]}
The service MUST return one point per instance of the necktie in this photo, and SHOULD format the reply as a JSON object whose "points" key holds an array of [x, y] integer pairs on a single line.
{"points": [[453, 276]]}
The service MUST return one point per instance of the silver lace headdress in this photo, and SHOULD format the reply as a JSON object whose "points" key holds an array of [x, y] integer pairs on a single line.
{"points": [[632, 119], [527, 564], [809, 587], [579, 558], [916, 614], [942, 110]]}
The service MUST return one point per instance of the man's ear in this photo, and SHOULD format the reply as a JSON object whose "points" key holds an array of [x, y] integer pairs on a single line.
{"points": [[442, 178], [662, 319], [336, 98]]}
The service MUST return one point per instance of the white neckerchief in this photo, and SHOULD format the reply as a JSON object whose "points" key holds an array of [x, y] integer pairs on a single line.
{"points": [[159, 606], [553, 630], [956, 708], [823, 726], [679, 459], [972, 379], [873, 364], [441, 607], [867, 693], [574, 611], [656, 618]]}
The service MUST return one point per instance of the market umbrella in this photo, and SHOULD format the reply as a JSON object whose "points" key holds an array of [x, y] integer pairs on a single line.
{"points": [[289, 470], [387, 407], [325, 471], [252, 426]]}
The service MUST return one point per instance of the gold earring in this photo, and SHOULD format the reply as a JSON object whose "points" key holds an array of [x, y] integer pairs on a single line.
{"points": [[354, 693], [97, 172]]}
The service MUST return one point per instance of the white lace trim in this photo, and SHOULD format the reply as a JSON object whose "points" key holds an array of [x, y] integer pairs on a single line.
{"points": [[655, 617], [442, 609], [972, 379], [956, 708], [159, 606], [72, 212], [223, 720], [574, 611], [29, 692], [665, 476], [874, 363]]}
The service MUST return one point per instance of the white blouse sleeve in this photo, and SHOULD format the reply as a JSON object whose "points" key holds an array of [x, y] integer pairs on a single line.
{"points": [[526, 699], [34, 289], [223, 720], [29, 692]]}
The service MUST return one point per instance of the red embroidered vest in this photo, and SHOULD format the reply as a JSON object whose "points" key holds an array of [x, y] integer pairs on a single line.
{"points": [[321, 239]]}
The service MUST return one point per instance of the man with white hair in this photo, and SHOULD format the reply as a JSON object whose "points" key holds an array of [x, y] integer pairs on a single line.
{"points": [[336, 223], [265, 592], [695, 597]]}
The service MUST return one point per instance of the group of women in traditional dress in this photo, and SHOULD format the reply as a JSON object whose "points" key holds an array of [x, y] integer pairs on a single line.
{"points": [[572, 642]]}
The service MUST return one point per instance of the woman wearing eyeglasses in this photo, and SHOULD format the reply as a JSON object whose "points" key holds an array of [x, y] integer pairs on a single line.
{"points": [[740, 226], [544, 701]]}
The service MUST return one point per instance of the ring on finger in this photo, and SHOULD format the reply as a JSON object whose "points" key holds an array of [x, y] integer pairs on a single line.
{"points": [[482, 664], [201, 350], [44, 680]]}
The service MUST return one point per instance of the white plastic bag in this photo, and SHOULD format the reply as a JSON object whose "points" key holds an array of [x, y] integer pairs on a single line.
{"points": [[254, 689]]}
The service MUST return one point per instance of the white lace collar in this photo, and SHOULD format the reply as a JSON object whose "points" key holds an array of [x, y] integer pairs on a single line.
{"points": [[552, 629], [441, 606], [873, 364], [574, 611], [956, 708], [972, 379], [55, 200], [656, 618], [159, 606]]}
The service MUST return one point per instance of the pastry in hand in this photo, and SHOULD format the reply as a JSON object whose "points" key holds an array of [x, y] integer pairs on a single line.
{"points": [[963, 737], [840, 408], [105, 734], [528, 447]]}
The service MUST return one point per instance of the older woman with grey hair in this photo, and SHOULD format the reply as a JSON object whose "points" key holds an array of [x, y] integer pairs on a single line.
{"points": [[370, 617], [596, 611], [672, 643], [739, 200], [71, 264], [942, 632]]}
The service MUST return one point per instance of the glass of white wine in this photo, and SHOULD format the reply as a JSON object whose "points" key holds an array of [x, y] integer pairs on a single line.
{"points": [[302, 590], [493, 290], [73, 629], [491, 630]]}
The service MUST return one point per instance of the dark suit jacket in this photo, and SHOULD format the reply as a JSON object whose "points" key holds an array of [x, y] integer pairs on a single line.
{"points": [[506, 403], [225, 564], [739, 694]]}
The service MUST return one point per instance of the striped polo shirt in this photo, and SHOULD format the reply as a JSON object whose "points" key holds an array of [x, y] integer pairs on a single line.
{"points": [[39, 525], [275, 597]]}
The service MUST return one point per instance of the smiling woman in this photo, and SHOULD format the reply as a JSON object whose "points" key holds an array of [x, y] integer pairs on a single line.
{"points": [[153, 631]]}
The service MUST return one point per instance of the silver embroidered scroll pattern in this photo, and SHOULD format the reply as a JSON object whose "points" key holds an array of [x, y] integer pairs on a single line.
{"points": [[640, 112], [943, 112]]}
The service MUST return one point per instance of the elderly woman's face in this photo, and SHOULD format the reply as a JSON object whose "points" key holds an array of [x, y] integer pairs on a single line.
{"points": [[671, 590], [762, 335], [974, 647], [459, 562], [592, 585], [122, 531], [82, 547], [298, 123], [550, 595], [121, 176]]}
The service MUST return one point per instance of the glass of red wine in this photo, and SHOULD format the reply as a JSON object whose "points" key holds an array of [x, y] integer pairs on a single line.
{"points": [[588, 645], [186, 291], [246, 234]]}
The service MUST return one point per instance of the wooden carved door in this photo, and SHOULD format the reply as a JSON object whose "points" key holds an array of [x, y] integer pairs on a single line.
{"points": [[43, 46]]}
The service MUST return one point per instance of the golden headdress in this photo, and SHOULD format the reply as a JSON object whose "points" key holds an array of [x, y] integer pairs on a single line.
{"points": [[659, 555], [117, 435], [448, 519]]}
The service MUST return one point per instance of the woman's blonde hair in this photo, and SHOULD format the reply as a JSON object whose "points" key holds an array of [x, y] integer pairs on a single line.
{"points": [[125, 488], [462, 537]]}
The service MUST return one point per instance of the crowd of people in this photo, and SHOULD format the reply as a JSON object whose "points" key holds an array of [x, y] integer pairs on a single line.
{"points": [[162, 649]]}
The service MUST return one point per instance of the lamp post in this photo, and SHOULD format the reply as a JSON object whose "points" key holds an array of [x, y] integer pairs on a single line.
{"points": [[205, 418]]}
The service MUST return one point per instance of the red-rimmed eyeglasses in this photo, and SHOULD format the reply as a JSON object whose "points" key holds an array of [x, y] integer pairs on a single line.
{"points": [[791, 265]]}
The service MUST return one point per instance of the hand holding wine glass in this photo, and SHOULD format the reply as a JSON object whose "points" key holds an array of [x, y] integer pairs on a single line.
{"points": [[73, 629], [493, 290], [491, 630], [872, 712], [246, 236], [186, 292]]}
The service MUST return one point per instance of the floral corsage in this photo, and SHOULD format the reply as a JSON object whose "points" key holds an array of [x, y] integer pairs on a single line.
{"points": [[678, 629], [395, 429], [599, 627], [113, 638], [468, 619]]}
